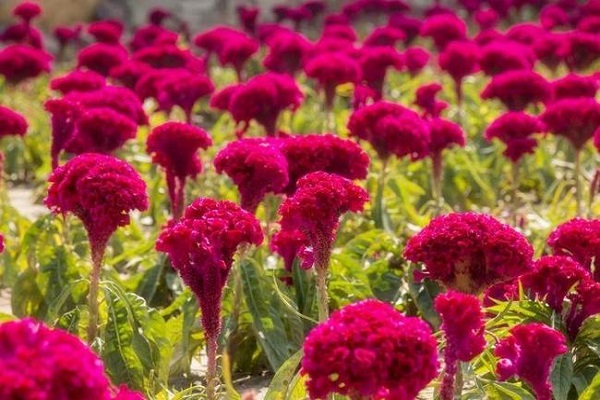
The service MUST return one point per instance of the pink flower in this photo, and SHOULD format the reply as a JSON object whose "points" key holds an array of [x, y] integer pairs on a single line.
{"points": [[78, 81], [384, 36], [573, 86], [469, 252], [157, 15], [443, 135], [331, 70], [515, 129], [101, 57], [502, 56], [443, 29], [584, 304], [129, 73], [578, 238], [100, 190], [248, 16], [460, 59], [518, 89], [525, 33], [589, 24], [20, 62], [289, 244], [409, 25], [529, 352], [152, 35], [425, 98], [551, 49], [256, 166], [23, 33], [553, 16], [236, 51], [574, 119], [372, 350], [221, 99], [165, 56], [120, 99], [287, 51], [107, 31], [2, 244], [183, 89], [375, 62], [582, 50], [65, 35], [124, 393], [415, 58], [486, 19], [11, 123], [342, 32], [41, 363], [27, 11], [174, 146], [63, 114]]}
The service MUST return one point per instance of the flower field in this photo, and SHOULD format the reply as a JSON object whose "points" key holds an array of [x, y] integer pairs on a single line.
{"points": [[381, 200]]}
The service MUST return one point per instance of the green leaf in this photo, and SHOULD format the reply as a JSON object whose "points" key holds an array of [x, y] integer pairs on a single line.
{"points": [[507, 391], [593, 391], [562, 376], [283, 378], [423, 294]]}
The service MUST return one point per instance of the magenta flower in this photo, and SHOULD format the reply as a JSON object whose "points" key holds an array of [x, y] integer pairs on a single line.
{"points": [[463, 327], [502, 56], [409, 25], [331, 70], [20, 62], [2, 245], [573, 86], [236, 51], [124, 393], [529, 352], [416, 58], [201, 246], [584, 304], [372, 350], [384, 36], [553, 15], [248, 17], [42, 363], [256, 166], [78, 81], [550, 49], [518, 89], [375, 62], [339, 31], [486, 19], [166, 56], [287, 51], [129, 73], [183, 89], [152, 35], [525, 33], [578, 238], [459, 60], [469, 252], [425, 98], [120, 99], [515, 129], [444, 29], [211, 41], [63, 114], [22, 33], [574, 119], [27, 11], [174, 146], [12, 123], [444, 134], [107, 31], [101, 57], [589, 24], [289, 244], [66, 35], [581, 51]]}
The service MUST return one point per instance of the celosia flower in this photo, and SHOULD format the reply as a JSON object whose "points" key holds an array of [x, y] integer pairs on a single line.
{"points": [[295, 14], [486, 19], [444, 134], [63, 114], [375, 62], [174, 146], [129, 73], [444, 29], [287, 51], [107, 31], [65, 35], [578, 238], [331, 70], [164, 56], [515, 129], [409, 25], [330, 45], [589, 24], [488, 36], [183, 89], [11, 123], [256, 166], [502, 56], [22, 33], [584, 304], [552, 16], [236, 51], [2, 244], [327, 153], [212, 40], [248, 17], [459, 59], [574, 119], [581, 51], [518, 89], [27, 11], [384, 36], [463, 326], [415, 58], [221, 99], [425, 98], [42, 363], [78, 81], [124, 393], [529, 352], [288, 244], [573, 86], [525, 33], [550, 49], [469, 252], [20, 62], [369, 350], [101, 57], [121, 100], [343, 32], [152, 35]]}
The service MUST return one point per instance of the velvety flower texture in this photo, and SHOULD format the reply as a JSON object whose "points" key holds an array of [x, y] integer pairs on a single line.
{"points": [[120, 99], [78, 81], [574, 119], [518, 89], [21, 62], [22, 33], [287, 51], [201, 246], [27, 11], [459, 59], [183, 89], [529, 352], [167, 56], [384, 36], [502, 56], [289, 244], [573, 86], [256, 166], [584, 304], [375, 62], [124, 393], [369, 350], [415, 59], [331, 70], [581, 51], [549, 49], [101, 57], [37, 362], [236, 51], [425, 98], [515, 129], [11, 123], [443, 135], [248, 17], [100, 190], [469, 252], [107, 31], [444, 29], [129, 73]]}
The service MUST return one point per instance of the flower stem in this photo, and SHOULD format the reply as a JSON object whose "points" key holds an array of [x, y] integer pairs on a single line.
{"points": [[211, 368], [323, 300], [379, 205], [578, 189], [436, 162], [447, 389], [97, 256], [515, 183]]}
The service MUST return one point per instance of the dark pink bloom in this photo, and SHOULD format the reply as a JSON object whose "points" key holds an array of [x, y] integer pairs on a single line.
{"points": [[589, 24], [101, 57], [2, 244], [221, 99], [65, 34], [501, 56], [164, 56], [327, 153], [20, 62], [469, 252], [129, 73], [578, 238], [235, 51], [459, 60], [529, 352], [248, 17], [551, 49], [488, 36], [409, 25], [152, 35], [515, 129], [525, 33], [124, 393], [183, 89], [211, 41], [443, 29], [78, 81], [425, 98], [581, 51], [375, 62], [443, 135], [256, 166], [287, 51], [11, 123], [553, 16], [486, 19], [373, 351], [336, 19], [416, 58], [289, 244], [331, 70], [120, 99], [63, 114], [574, 119], [146, 86], [107, 31], [22, 33], [174, 146], [518, 89], [342, 32], [27, 11], [100, 190], [157, 15], [384, 36], [573, 86], [584, 304], [332, 45], [42, 363]]}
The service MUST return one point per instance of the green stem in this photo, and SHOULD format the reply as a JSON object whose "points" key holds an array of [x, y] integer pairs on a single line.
{"points": [[379, 205], [322, 298], [437, 170], [515, 183], [92, 331], [578, 189]]}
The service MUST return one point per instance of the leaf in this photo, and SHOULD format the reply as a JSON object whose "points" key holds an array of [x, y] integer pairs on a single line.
{"points": [[26, 298], [507, 391], [593, 390], [232, 394], [298, 388], [283, 378], [562, 376], [423, 294]]}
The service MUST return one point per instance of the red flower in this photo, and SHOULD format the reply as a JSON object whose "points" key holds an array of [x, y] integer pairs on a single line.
{"points": [[518, 89], [584, 304], [384, 36], [78, 81], [469, 252], [578, 238], [415, 58], [574, 119], [372, 350], [443, 29], [20, 62], [157, 15], [101, 57], [221, 99], [287, 51], [23, 33], [553, 15], [129, 73], [256, 166], [515, 129], [331, 70], [2, 244], [248, 16], [107, 31], [27, 11], [529, 352], [581, 51], [11, 123], [460, 59], [502, 56], [425, 98], [183, 89], [63, 114], [573, 86], [374, 63], [443, 135], [289, 244]]}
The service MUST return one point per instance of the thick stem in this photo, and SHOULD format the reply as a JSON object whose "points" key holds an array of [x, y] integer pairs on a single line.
{"points": [[447, 389], [211, 367], [437, 170], [322, 298], [379, 206], [180, 198], [97, 256], [578, 189]]}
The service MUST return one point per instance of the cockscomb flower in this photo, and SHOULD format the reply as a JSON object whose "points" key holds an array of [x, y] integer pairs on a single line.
{"points": [[409, 25], [589, 24], [66, 35], [581, 51], [553, 16], [425, 98], [584, 304], [384, 36], [152, 35], [124, 393], [248, 17], [375, 62], [101, 57], [469, 252], [201, 247], [415, 59], [327, 153], [78, 81], [164, 56], [27, 11], [486, 19], [339, 31], [174, 146], [289, 244], [518, 89], [11, 123], [21, 62], [459, 60], [236, 51], [129, 73], [525, 33], [331, 70], [444, 29], [63, 115], [550, 49], [502, 56], [22, 33], [211, 41], [183, 89], [574, 119], [573, 86], [369, 350], [463, 327], [515, 129], [42, 363], [107, 31], [2, 244], [120, 99], [444, 134], [287, 51], [256, 166], [529, 352]]}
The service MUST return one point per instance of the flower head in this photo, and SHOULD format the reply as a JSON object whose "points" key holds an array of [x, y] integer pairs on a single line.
{"points": [[416, 58], [166, 56], [236, 51], [20, 62], [78, 81], [331, 70], [11, 123], [63, 114], [518, 89], [550, 49], [66, 34], [578, 238], [101, 57], [152, 36], [584, 304], [460, 59], [573, 86], [22, 33], [121, 100], [27, 11], [502, 56], [574, 119], [129, 73], [375, 62], [248, 17], [183, 89], [581, 51], [444, 134], [469, 252], [409, 25], [384, 36], [368, 349], [107, 31], [444, 29], [289, 244], [124, 393], [425, 98], [287, 51], [515, 129]]}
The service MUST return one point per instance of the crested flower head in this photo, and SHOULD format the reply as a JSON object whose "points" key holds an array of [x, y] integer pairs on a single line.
{"points": [[236, 51], [183, 89], [152, 36], [121, 100], [63, 114], [573, 86], [409, 25], [22, 33], [384, 36], [331, 70], [425, 98], [550, 49], [416, 58], [101, 57], [107, 31], [515, 129], [375, 62], [42, 363], [124, 393], [27, 11], [574, 119], [529, 352], [582, 50], [78, 81], [578, 238], [369, 350], [129, 73], [486, 19], [21, 62], [256, 166], [525, 33], [460, 59], [469, 252], [518, 89], [289, 244], [11, 123], [2, 244], [444, 134], [66, 34], [248, 17], [165, 56], [201, 246], [287, 51], [501, 56], [444, 29], [100, 190], [584, 304]]}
